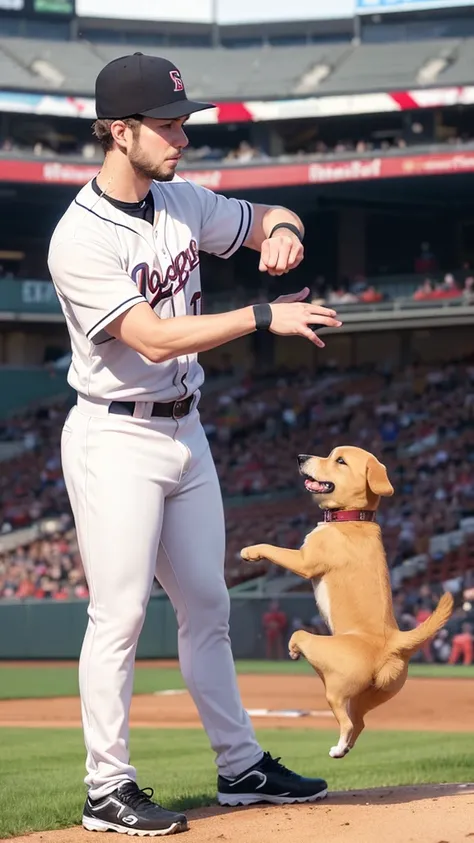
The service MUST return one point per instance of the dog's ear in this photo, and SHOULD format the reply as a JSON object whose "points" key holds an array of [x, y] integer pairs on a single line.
{"points": [[377, 478]]}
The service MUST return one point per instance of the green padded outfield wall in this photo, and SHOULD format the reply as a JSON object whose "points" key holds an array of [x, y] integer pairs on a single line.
{"points": [[44, 630]]}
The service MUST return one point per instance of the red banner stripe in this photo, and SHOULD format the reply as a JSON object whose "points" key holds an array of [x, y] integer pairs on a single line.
{"points": [[404, 99]]}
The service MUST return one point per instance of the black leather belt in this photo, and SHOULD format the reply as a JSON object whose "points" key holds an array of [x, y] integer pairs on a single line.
{"points": [[166, 410]]}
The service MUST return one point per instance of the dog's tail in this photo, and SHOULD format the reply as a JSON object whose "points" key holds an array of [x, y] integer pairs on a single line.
{"points": [[405, 644]]}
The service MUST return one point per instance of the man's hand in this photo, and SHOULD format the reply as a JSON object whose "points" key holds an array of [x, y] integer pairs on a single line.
{"points": [[281, 253], [290, 315]]}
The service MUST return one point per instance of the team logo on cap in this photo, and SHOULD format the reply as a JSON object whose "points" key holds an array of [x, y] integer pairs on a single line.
{"points": [[176, 78]]}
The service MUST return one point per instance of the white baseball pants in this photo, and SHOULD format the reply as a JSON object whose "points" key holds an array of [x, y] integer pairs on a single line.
{"points": [[146, 502]]}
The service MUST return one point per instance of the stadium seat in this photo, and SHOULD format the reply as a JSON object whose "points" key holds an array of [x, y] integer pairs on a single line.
{"points": [[12, 74], [77, 64], [381, 67]]}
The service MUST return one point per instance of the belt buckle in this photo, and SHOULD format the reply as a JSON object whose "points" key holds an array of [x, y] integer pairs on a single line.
{"points": [[179, 410]]}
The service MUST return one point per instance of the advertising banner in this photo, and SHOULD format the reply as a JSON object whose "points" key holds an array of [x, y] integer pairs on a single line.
{"points": [[53, 7], [270, 175]]}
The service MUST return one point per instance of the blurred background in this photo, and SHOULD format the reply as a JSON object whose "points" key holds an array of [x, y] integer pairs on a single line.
{"points": [[359, 115]]}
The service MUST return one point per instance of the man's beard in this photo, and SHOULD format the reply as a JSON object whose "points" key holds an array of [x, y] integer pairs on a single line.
{"points": [[145, 168]]}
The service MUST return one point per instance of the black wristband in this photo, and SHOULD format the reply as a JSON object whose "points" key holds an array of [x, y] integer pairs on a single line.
{"points": [[290, 227], [263, 316]]}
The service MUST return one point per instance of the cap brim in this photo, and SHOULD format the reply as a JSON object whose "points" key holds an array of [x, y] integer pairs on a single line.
{"points": [[180, 108]]}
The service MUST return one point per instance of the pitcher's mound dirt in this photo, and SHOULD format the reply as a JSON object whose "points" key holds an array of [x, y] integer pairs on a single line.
{"points": [[424, 814]]}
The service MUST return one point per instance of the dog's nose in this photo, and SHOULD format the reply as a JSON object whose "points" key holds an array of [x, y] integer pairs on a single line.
{"points": [[302, 458]]}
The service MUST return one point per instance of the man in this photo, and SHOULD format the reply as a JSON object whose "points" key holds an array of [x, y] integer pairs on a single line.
{"points": [[142, 484], [463, 646], [274, 623]]}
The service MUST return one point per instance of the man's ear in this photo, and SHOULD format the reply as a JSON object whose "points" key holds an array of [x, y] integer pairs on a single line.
{"points": [[377, 478]]}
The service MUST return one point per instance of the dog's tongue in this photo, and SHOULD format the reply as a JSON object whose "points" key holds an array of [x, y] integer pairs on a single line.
{"points": [[314, 486]]}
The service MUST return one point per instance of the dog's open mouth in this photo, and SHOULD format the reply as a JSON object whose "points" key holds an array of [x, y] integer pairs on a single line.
{"points": [[319, 487]]}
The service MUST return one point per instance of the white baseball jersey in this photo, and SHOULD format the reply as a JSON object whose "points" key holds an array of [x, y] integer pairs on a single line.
{"points": [[103, 261]]}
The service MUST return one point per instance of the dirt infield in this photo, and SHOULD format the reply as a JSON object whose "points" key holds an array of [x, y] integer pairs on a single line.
{"points": [[424, 704], [427, 814]]}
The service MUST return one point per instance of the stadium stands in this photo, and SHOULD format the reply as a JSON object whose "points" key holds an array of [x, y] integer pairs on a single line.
{"points": [[252, 73], [376, 67], [75, 64], [12, 74], [461, 71], [423, 429], [419, 421]]}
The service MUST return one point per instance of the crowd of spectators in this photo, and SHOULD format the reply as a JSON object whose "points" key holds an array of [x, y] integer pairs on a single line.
{"points": [[453, 644], [295, 142], [448, 288], [48, 568], [360, 291], [433, 285], [422, 428]]}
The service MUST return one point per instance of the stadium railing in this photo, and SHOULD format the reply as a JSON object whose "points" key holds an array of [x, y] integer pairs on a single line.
{"points": [[33, 297], [190, 162]]}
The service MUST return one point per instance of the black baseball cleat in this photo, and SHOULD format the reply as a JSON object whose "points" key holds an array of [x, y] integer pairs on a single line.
{"points": [[269, 781], [130, 810]]}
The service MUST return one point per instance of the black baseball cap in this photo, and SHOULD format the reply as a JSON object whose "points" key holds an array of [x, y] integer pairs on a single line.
{"points": [[147, 85]]}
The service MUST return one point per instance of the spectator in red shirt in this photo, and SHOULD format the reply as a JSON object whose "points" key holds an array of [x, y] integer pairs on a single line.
{"points": [[463, 646], [274, 624], [424, 291], [448, 289], [370, 295]]}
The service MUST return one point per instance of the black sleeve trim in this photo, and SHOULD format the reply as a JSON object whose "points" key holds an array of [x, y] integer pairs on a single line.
{"points": [[107, 317], [103, 342], [236, 238], [249, 223]]}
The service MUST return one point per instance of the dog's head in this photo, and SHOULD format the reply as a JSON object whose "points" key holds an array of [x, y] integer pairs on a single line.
{"points": [[349, 478]]}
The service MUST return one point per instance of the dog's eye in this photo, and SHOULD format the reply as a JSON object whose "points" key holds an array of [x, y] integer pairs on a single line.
{"points": [[341, 461]]}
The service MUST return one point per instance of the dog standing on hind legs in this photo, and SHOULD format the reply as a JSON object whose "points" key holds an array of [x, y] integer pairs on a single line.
{"points": [[364, 663]]}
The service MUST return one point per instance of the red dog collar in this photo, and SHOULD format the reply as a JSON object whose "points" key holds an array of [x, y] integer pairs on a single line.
{"points": [[349, 515]]}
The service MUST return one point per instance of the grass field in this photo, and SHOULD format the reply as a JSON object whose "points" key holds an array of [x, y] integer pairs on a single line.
{"points": [[30, 681], [42, 769]]}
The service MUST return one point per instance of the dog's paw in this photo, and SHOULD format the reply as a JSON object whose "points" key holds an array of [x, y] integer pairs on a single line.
{"points": [[338, 751], [252, 554], [293, 649]]}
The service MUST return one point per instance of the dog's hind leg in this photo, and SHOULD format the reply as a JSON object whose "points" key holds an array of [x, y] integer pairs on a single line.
{"points": [[340, 705], [368, 700], [358, 707], [345, 668]]}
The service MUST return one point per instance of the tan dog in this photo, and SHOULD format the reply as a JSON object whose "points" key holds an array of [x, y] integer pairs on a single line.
{"points": [[365, 661]]}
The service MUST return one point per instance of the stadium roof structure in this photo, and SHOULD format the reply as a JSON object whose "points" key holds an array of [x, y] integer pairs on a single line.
{"points": [[248, 73]]}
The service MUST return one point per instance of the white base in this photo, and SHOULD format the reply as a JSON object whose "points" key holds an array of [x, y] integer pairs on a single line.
{"points": [[234, 799], [92, 824]]}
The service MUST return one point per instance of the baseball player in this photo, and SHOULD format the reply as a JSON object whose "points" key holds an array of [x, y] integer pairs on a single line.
{"points": [[143, 488]]}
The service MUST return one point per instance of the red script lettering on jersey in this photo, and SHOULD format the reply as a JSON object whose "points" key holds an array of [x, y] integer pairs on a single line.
{"points": [[163, 286]]}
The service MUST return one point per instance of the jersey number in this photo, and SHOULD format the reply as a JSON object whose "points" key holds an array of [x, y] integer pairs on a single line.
{"points": [[196, 304]]}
